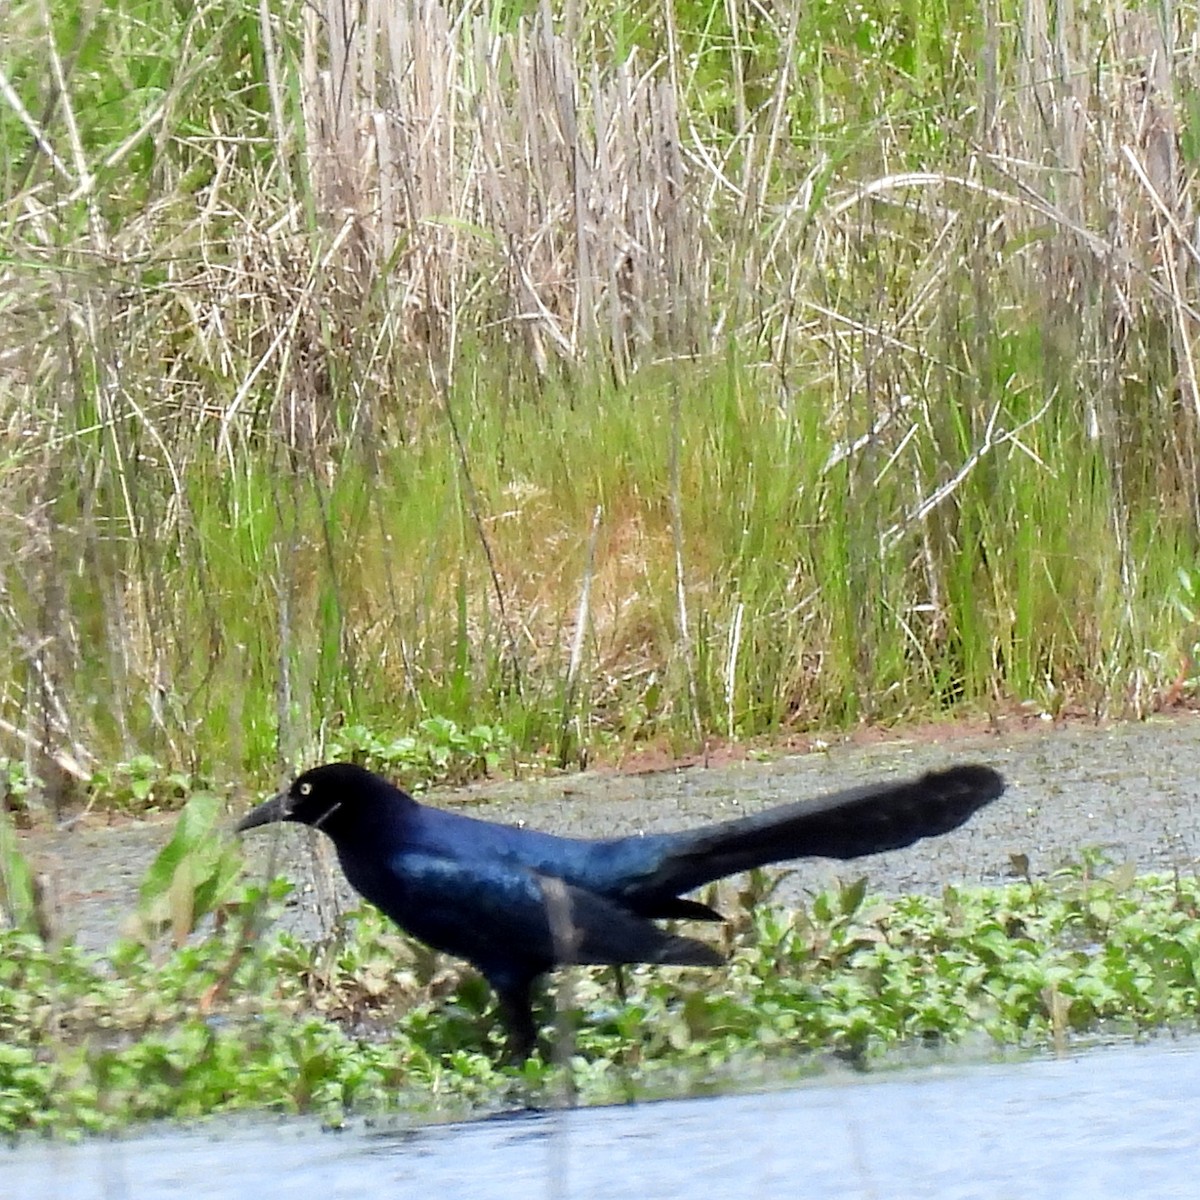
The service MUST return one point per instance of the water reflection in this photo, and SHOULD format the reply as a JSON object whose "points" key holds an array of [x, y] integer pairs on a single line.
{"points": [[1115, 1122]]}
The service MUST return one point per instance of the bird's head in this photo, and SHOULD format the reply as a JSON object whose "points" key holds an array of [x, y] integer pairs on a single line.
{"points": [[336, 798]]}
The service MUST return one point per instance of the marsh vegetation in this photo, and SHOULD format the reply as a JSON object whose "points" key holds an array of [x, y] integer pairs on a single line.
{"points": [[459, 385], [596, 374]]}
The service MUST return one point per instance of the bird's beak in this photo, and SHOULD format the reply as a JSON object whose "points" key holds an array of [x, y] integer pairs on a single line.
{"points": [[278, 808]]}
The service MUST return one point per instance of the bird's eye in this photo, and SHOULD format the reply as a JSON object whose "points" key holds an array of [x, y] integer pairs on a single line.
{"points": [[306, 789]]}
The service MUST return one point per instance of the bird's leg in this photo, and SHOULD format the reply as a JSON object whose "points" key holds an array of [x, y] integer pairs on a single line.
{"points": [[631, 1052], [619, 980], [516, 1010]]}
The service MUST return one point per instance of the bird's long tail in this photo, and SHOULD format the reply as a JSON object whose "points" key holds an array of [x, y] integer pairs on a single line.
{"points": [[849, 824]]}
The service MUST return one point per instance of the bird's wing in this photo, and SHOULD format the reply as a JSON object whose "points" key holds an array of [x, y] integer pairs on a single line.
{"points": [[493, 912]]}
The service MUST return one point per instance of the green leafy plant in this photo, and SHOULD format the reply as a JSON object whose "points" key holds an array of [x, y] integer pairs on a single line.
{"points": [[439, 752], [192, 877], [141, 785], [16, 784], [18, 899], [371, 1020]]}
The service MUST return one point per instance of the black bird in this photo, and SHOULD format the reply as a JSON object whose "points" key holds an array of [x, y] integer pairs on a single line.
{"points": [[516, 902]]}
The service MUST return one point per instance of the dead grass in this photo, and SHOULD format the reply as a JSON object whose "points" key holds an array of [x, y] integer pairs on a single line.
{"points": [[274, 348]]}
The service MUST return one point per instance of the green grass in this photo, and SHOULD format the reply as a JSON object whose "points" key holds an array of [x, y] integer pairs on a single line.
{"points": [[905, 344], [291, 603], [370, 1021]]}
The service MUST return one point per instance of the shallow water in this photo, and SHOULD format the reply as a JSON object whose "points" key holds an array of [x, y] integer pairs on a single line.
{"points": [[1107, 1123]]}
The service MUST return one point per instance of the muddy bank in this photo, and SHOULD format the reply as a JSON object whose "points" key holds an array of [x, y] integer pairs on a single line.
{"points": [[1129, 789]]}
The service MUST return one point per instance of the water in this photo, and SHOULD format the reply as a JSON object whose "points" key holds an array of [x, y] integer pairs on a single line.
{"points": [[1119, 1122]]}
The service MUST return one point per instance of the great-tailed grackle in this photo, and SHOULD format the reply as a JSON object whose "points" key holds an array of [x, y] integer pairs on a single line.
{"points": [[517, 902]]}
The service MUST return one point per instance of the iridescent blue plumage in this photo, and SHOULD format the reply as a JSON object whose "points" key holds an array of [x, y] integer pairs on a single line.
{"points": [[516, 902]]}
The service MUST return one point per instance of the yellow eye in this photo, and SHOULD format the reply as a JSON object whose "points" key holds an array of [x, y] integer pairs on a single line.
{"points": [[306, 789]]}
